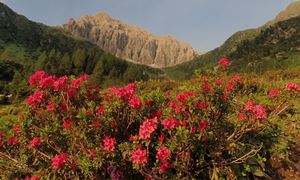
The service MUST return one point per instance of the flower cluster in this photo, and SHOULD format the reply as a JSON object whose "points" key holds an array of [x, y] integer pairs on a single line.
{"points": [[170, 123], [59, 160], [292, 87], [109, 144], [35, 142], [163, 153], [135, 102], [224, 63], [142, 130], [139, 156], [35, 79], [147, 128], [124, 92], [258, 111]]}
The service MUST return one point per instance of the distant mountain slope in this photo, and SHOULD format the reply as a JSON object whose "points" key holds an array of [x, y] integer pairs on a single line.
{"points": [[235, 46], [130, 42], [26, 46], [275, 47], [291, 11]]}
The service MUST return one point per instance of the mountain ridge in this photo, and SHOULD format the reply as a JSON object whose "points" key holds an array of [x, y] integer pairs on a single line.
{"points": [[130, 41]]}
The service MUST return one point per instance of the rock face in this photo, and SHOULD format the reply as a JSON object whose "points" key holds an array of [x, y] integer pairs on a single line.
{"points": [[130, 42], [290, 11]]}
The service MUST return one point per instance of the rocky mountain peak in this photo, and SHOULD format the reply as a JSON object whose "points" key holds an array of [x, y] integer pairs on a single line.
{"points": [[130, 42]]}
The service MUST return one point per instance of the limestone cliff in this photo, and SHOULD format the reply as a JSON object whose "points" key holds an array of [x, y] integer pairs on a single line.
{"points": [[130, 42]]}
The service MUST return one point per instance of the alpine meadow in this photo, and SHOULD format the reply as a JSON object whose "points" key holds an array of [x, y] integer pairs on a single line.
{"points": [[97, 98]]}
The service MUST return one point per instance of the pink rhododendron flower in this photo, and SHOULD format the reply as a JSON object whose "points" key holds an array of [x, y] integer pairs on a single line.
{"points": [[163, 153], [259, 112], [139, 156], [183, 96], [164, 166], [232, 81], [193, 130], [224, 62], [184, 123], [1, 139], [206, 87], [59, 160], [36, 97], [96, 124], [292, 87], [35, 142], [92, 154], [273, 93], [202, 125], [235, 78], [47, 82], [174, 106], [17, 129], [36, 77], [229, 87], [242, 116], [13, 141], [249, 106], [67, 124], [161, 138], [71, 93], [60, 83], [114, 123], [219, 82], [205, 80], [131, 137], [50, 106], [124, 92], [76, 83], [147, 128], [170, 123], [109, 144], [224, 96], [201, 105], [135, 102], [157, 114], [84, 77], [100, 111]]}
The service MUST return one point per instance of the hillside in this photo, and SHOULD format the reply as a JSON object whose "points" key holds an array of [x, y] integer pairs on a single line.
{"points": [[241, 38], [130, 42], [26, 46], [275, 47], [292, 10]]}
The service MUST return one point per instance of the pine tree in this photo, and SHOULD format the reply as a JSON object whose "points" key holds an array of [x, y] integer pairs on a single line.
{"points": [[79, 60], [65, 65], [41, 62]]}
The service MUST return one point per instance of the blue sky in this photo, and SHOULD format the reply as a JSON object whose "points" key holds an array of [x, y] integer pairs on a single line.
{"points": [[205, 24]]}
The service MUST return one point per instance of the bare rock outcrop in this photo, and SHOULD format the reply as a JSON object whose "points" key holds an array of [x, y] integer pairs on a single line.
{"points": [[130, 42]]}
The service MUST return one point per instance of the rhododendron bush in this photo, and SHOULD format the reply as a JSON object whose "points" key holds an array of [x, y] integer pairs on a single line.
{"points": [[210, 127]]}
